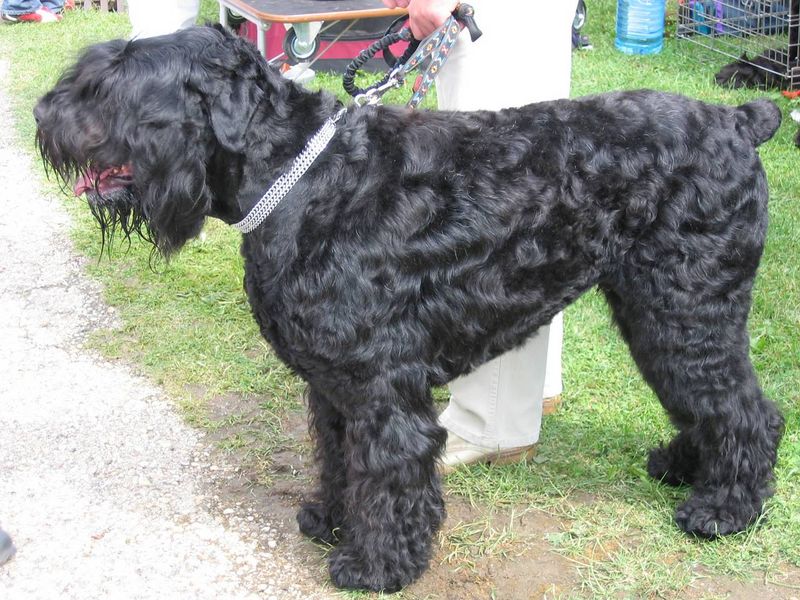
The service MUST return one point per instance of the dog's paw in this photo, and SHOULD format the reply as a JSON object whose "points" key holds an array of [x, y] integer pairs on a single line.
{"points": [[703, 515], [662, 467], [315, 522], [350, 571]]}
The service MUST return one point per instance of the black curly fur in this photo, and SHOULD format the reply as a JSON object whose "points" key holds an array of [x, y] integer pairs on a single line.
{"points": [[421, 244]]}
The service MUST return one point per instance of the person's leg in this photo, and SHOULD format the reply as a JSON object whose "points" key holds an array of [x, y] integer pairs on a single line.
{"points": [[150, 18], [498, 407], [523, 56], [54, 6], [553, 385], [15, 8], [28, 11], [495, 412]]}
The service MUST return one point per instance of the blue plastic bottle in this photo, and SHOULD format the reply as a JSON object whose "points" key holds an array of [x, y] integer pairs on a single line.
{"points": [[640, 26]]}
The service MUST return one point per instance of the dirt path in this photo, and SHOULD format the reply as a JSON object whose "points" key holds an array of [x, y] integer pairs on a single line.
{"points": [[106, 492]]}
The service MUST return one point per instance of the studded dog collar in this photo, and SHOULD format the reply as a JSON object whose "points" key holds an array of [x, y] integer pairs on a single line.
{"points": [[278, 190]]}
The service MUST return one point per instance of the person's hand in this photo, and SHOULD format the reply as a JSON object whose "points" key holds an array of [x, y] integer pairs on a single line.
{"points": [[424, 16]]}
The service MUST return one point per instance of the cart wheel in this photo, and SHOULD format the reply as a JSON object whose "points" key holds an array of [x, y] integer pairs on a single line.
{"points": [[297, 52], [580, 16], [235, 20]]}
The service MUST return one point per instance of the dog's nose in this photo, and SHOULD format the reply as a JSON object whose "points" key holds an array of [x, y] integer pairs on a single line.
{"points": [[37, 112]]}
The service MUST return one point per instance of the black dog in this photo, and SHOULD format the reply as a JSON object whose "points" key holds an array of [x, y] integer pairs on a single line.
{"points": [[420, 244], [765, 71]]}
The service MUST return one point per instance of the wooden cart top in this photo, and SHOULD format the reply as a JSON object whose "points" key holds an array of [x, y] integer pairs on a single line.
{"points": [[303, 11]]}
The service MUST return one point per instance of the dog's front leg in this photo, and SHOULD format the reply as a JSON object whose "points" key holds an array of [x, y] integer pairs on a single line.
{"points": [[393, 500], [323, 518]]}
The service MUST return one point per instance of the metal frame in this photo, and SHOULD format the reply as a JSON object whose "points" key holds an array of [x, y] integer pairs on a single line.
{"points": [[736, 27], [263, 20], [253, 17]]}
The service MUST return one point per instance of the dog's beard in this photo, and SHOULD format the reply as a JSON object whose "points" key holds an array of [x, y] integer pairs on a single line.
{"points": [[113, 207], [112, 199], [116, 211]]}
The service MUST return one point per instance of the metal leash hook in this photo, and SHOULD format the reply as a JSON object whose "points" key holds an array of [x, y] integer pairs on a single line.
{"points": [[348, 80], [372, 96], [435, 47]]}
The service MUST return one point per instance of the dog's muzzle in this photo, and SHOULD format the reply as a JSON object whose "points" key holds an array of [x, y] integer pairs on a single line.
{"points": [[104, 182]]}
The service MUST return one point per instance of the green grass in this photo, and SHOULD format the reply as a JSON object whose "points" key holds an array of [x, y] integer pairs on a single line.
{"points": [[188, 326]]}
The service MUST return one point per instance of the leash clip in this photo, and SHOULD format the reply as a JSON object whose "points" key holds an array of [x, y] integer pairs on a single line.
{"points": [[373, 95], [368, 98], [433, 52]]}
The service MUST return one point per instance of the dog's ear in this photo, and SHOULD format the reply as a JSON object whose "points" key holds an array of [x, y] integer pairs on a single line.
{"points": [[170, 146], [233, 80], [170, 178], [230, 109]]}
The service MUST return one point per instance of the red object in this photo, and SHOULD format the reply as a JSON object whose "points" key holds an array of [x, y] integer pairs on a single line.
{"points": [[343, 50], [792, 95], [41, 15]]}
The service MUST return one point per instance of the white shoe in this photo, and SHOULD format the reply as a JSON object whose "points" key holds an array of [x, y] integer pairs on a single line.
{"points": [[459, 451], [550, 405]]}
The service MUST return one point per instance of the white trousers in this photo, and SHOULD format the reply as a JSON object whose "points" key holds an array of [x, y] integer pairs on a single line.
{"points": [[150, 18], [524, 56]]}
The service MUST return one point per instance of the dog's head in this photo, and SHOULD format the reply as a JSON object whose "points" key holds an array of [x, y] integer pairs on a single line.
{"points": [[135, 125]]}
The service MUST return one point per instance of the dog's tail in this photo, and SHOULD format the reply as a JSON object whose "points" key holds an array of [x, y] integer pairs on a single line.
{"points": [[758, 120]]}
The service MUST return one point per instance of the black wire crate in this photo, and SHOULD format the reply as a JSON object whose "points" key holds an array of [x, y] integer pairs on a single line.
{"points": [[763, 34]]}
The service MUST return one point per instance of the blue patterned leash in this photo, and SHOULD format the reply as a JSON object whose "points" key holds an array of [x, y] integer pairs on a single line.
{"points": [[435, 47]]}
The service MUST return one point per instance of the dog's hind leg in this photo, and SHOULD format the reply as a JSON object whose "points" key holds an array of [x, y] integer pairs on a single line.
{"points": [[676, 463], [692, 348], [393, 501], [322, 519]]}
